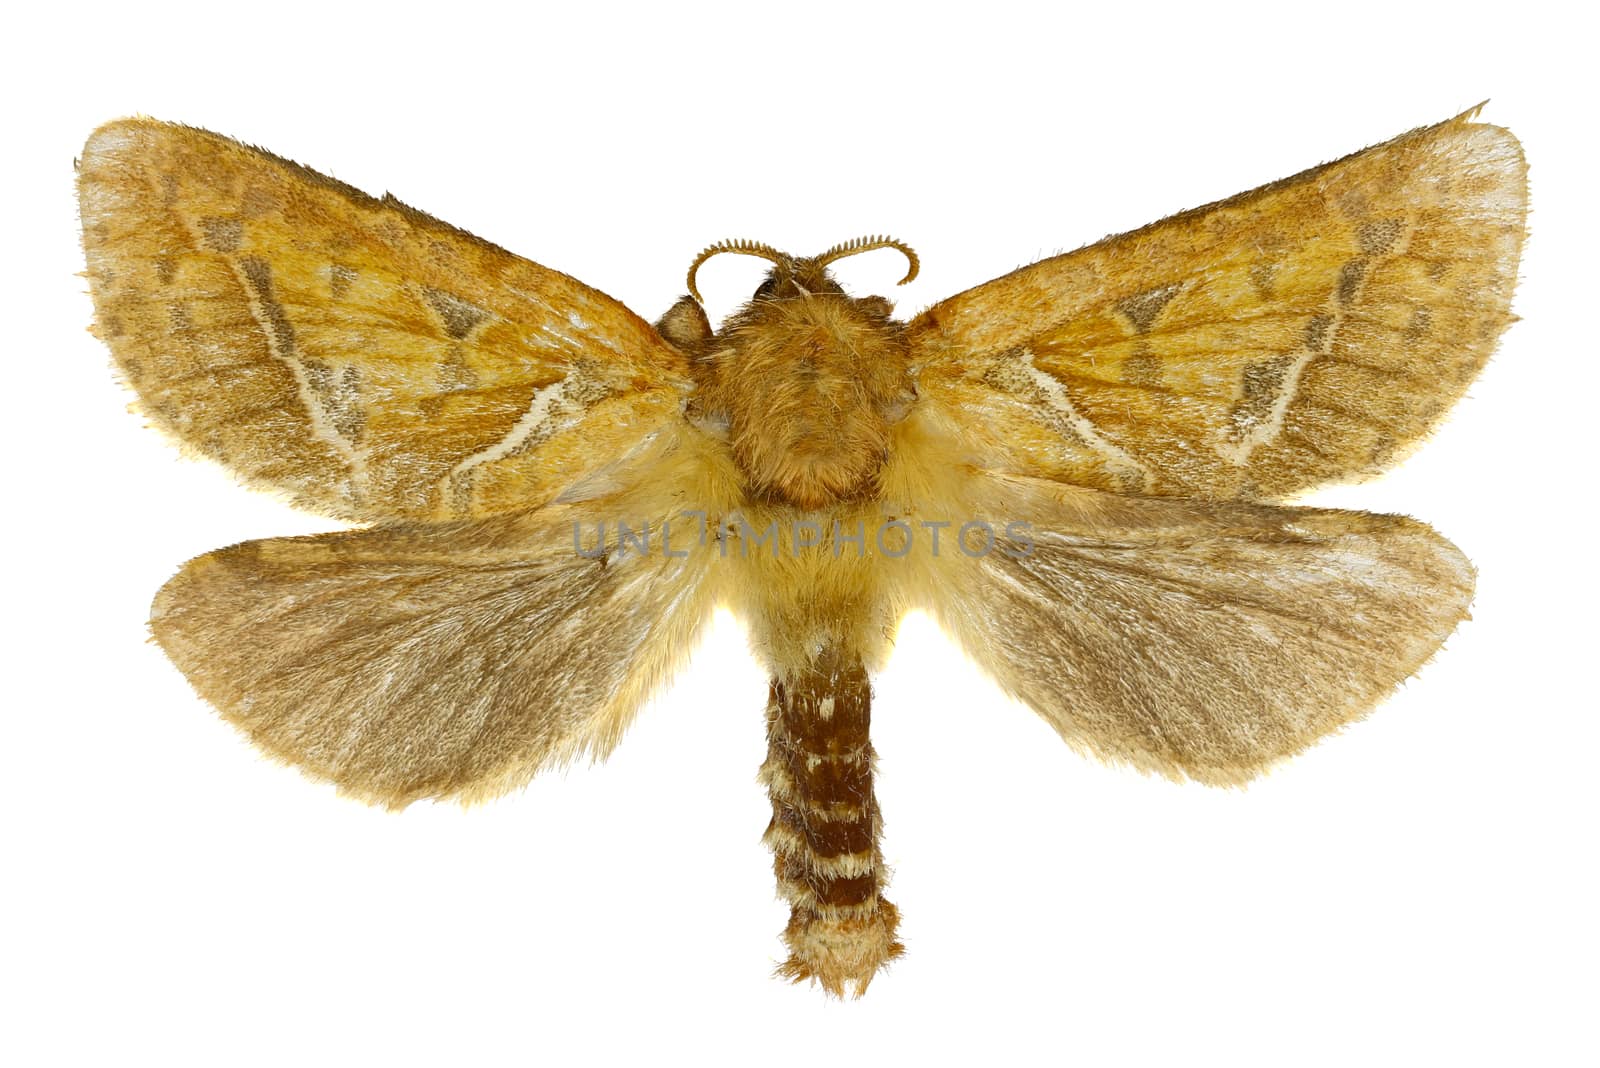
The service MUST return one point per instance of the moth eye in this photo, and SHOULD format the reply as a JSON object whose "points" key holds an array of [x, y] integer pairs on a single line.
{"points": [[766, 289]]}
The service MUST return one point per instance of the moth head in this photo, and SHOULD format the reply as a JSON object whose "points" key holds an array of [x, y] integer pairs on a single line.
{"points": [[806, 379]]}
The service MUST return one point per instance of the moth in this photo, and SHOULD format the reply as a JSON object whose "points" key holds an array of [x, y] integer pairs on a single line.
{"points": [[1077, 469]]}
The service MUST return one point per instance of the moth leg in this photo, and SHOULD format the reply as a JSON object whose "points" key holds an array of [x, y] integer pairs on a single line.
{"points": [[825, 827]]}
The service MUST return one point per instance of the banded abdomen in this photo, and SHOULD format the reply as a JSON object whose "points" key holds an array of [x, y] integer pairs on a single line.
{"points": [[825, 824]]}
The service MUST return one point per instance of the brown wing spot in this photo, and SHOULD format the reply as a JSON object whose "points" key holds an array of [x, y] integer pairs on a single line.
{"points": [[1142, 309], [166, 269], [223, 233], [583, 388], [1317, 333], [1421, 322], [1129, 480], [1350, 278], [1143, 368], [1262, 275], [340, 278], [460, 317], [460, 491], [1008, 375], [455, 373], [339, 394], [1379, 237], [319, 375], [1261, 384], [258, 276], [344, 405], [1050, 403]]}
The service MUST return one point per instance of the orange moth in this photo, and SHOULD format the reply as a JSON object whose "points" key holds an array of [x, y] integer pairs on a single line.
{"points": [[1075, 468]]}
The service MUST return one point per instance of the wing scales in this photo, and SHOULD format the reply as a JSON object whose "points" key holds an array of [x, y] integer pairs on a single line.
{"points": [[1308, 331], [1200, 640], [431, 660], [365, 358]]}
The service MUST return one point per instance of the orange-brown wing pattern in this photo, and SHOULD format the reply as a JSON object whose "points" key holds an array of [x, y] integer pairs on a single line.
{"points": [[418, 660], [1305, 332], [365, 358], [1196, 639]]}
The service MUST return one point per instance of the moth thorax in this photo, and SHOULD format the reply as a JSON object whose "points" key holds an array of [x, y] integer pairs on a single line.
{"points": [[811, 393]]}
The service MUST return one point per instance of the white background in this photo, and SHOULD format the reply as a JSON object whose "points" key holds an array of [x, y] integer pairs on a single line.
{"points": [[1417, 889]]}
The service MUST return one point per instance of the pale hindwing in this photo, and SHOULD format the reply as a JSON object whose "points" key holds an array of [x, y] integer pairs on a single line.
{"points": [[1198, 640], [424, 660], [365, 358], [1306, 332]]}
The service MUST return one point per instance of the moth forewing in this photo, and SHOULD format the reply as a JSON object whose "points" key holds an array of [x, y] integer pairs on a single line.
{"points": [[1099, 439], [357, 354], [1312, 330]]}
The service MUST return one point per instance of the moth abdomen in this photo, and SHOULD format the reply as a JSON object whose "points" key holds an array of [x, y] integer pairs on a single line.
{"points": [[826, 825]]}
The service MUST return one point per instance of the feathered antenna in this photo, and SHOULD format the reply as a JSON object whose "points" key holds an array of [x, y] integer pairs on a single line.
{"points": [[742, 247], [867, 244]]}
